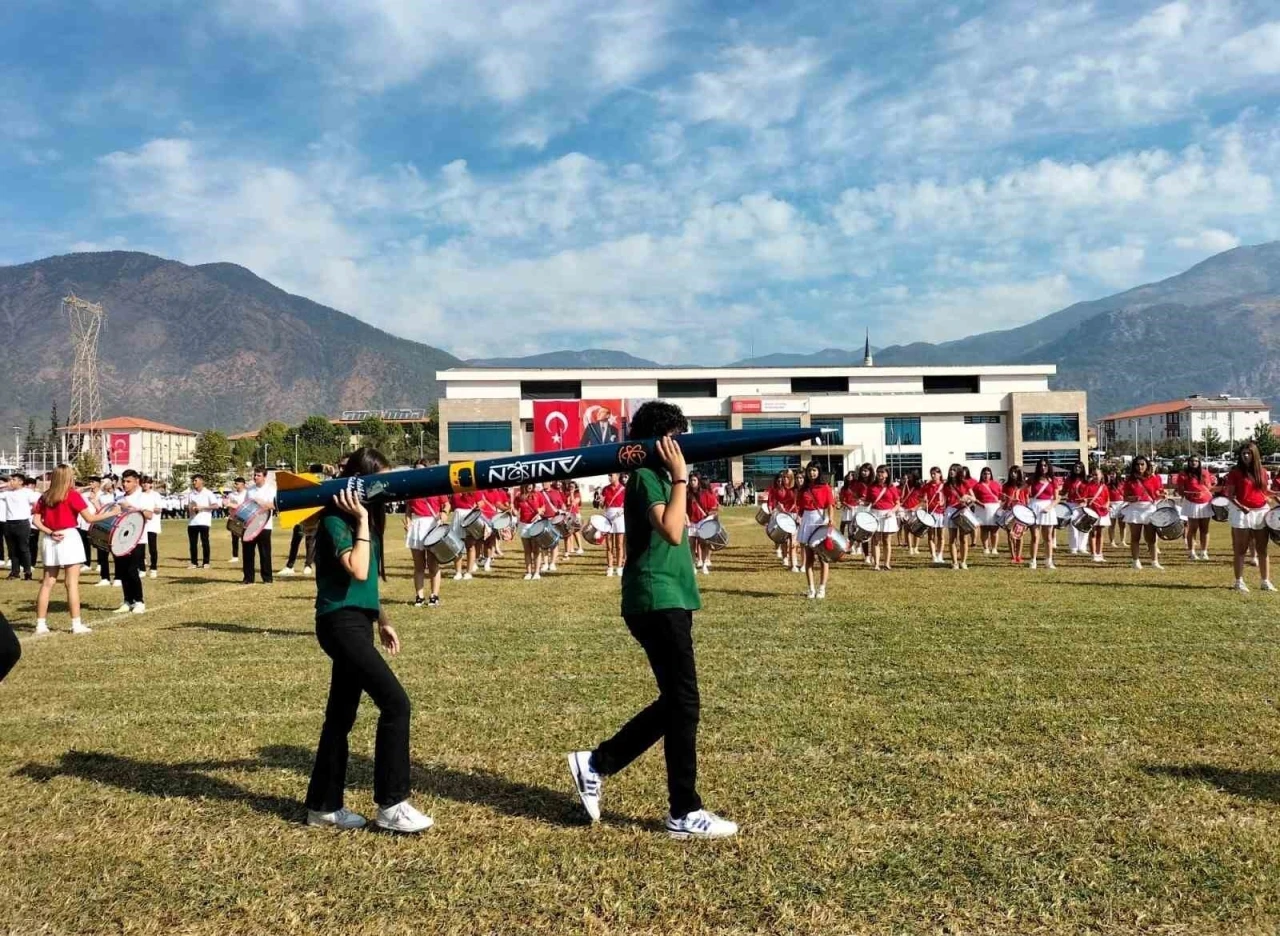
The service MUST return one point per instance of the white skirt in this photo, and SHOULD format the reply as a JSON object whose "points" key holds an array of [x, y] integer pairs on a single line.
{"points": [[69, 552], [888, 520], [419, 527], [1045, 516], [810, 521], [1104, 521], [1247, 519], [986, 514], [617, 518], [1139, 514], [1192, 511]]}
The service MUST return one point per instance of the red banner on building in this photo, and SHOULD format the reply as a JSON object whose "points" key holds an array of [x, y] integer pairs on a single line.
{"points": [[118, 443], [566, 424]]}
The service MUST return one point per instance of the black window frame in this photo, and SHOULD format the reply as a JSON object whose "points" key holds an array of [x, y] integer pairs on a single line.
{"points": [[551, 389]]}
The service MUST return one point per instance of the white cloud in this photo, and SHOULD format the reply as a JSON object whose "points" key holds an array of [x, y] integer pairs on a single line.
{"points": [[1210, 240], [753, 87]]}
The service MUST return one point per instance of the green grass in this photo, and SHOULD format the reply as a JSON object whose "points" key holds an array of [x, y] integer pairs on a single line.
{"points": [[999, 751]]}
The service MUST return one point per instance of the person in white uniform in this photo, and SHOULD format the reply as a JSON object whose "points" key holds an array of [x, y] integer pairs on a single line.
{"points": [[233, 499], [262, 492], [17, 527], [151, 500], [201, 503]]}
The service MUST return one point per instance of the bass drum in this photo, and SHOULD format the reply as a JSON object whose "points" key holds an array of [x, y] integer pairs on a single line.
{"points": [[118, 535], [865, 525], [828, 545], [248, 521], [444, 543], [782, 526], [712, 532]]}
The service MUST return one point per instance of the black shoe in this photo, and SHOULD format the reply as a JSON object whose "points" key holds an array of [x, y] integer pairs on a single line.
{"points": [[434, 602], [26, 576], [418, 602]]}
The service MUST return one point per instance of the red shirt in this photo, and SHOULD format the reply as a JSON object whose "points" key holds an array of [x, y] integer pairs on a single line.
{"points": [[883, 496], [1014, 494], [852, 494], [1116, 491], [817, 497], [701, 504], [575, 502], [63, 516], [1196, 489], [954, 493], [1042, 490], [528, 507], [933, 496], [555, 498], [1071, 490], [1242, 489], [613, 495], [782, 498], [1093, 494], [425, 506], [464, 501], [987, 492], [1143, 490], [911, 500]]}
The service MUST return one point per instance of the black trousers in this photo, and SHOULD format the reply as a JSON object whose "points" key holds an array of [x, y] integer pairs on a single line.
{"points": [[10, 649], [667, 639], [198, 534], [235, 546], [17, 534], [153, 549], [296, 541], [104, 565], [346, 635], [33, 543], [84, 541], [262, 547], [129, 570]]}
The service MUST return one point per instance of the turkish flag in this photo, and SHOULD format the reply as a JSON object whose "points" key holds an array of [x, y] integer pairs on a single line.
{"points": [[555, 425], [119, 444]]}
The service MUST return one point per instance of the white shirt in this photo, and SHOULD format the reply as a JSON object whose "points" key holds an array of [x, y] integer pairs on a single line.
{"points": [[204, 498], [17, 505], [132, 501], [236, 498], [266, 496], [81, 522], [4, 504], [150, 500]]}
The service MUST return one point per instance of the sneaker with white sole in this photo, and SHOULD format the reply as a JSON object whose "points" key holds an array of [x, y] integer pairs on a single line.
{"points": [[1267, 586], [528, 576], [1050, 565], [552, 567], [307, 570], [1033, 563], [811, 593], [488, 565], [152, 573], [468, 577], [1155, 564], [234, 560], [123, 609], [115, 582], [102, 583], [587, 782], [700, 824], [287, 570], [402, 817], [822, 593], [1137, 565], [1240, 586], [79, 627], [1098, 557], [42, 628], [343, 819], [139, 608], [537, 576], [192, 565], [457, 576]]}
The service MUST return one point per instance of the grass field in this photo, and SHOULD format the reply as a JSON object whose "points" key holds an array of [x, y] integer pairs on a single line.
{"points": [[1091, 749]]}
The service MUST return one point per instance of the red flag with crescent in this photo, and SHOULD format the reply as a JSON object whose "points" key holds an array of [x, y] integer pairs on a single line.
{"points": [[555, 425]]}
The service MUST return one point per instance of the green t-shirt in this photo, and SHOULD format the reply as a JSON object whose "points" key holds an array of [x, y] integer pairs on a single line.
{"points": [[335, 588], [657, 576]]}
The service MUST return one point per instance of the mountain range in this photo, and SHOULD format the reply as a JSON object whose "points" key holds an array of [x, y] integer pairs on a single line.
{"points": [[216, 345]]}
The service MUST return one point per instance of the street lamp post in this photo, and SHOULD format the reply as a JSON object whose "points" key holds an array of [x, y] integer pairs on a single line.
{"points": [[420, 455], [266, 447], [17, 447], [295, 451]]}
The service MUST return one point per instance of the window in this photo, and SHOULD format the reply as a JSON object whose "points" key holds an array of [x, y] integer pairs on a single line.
{"points": [[760, 469], [901, 464], [1060, 459], [981, 456], [711, 470], [836, 423], [526, 426], [771, 422], [479, 437], [667, 389], [1051, 427], [833, 465], [708, 424], [962, 384], [902, 430], [819, 385], [551, 389], [975, 419]]}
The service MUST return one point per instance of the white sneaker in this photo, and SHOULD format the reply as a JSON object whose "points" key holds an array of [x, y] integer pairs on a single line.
{"points": [[822, 592], [1267, 586], [528, 576], [1240, 586], [488, 565], [609, 572], [587, 782], [1098, 557], [192, 565], [955, 566], [704, 570], [468, 577], [552, 567], [123, 609], [796, 568], [42, 628], [1192, 555], [152, 573], [457, 576], [102, 583], [579, 552], [139, 608], [1033, 563], [1050, 565], [115, 582], [1253, 561], [1205, 555], [811, 593], [307, 570], [1137, 565], [77, 627], [537, 576], [1155, 564], [964, 566], [702, 824], [287, 570], [707, 565], [234, 560], [343, 819], [86, 568], [402, 817]]}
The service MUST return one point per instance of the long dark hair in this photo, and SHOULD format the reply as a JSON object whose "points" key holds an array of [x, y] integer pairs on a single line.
{"points": [[955, 477], [1016, 477], [986, 474], [866, 472], [1079, 472], [819, 480], [1046, 473], [1133, 467], [1255, 469], [362, 462]]}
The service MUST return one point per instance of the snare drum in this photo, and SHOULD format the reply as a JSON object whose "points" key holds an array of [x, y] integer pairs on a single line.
{"points": [[964, 520], [1168, 522], [500, 522], [838, 548], [471, 524], [782, 526], [118, 535], [921, 522], [1062, 514], [597, 528], [1221, 507], [1085, 519], [1021, 519], [1003, 518], [543, 534], [444, 543], [1272, 521], [763, 515], [712, 532], [865, 525], [249, 520]]}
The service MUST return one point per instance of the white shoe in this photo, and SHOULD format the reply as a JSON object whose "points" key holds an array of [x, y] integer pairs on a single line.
{"points": [[609, 572], [468, 577], [1155, 564], [152, 573], [1050, 565], [812, 593], [115, 582], [796, 568], [1240, 586], [402, 817], [1204, 556], [1193, 555], [457, 576], [964, 566], [552, 567], [192, 565], [579, 552], [139, 608], [702, 824], [307, 570], [287, 570], [1267, 586], [86, 568], [707, 565], [537, 576], [1099, 558], [587, 782], [528, 576], [102, 583], [1137, 565], [343, 819], [705, 570], [822, 592], [488, 565], [234, 560], [1033, 563], [1253, 561], [123, 609], [42, 628], [77, 627]]}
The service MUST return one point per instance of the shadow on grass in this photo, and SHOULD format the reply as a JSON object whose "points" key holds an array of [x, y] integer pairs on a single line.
{"points": [[245, 630], [1253, 784], [1169, 586], [744, 593], [191, 780]]}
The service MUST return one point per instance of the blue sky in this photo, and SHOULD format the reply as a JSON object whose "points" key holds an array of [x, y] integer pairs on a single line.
{"points": [[681, 180]]}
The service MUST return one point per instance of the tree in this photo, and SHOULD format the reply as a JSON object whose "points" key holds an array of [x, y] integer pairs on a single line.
{"points": [[33, 441], [86, 465], [244, 451], [1264, 434], [1211, 443], [53, 426], [319, 441], [180, 477], [271, 440], [211, 457], [375, 433]]}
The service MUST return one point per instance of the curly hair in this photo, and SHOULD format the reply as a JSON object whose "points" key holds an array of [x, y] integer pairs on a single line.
{"points": [[655, 419]]}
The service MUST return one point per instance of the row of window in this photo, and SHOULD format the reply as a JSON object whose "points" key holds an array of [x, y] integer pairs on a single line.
{"points": [[684, 388], [982, 456]]}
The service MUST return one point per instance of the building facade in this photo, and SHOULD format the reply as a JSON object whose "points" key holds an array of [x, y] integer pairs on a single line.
{"points": [[148, 447], [909, 418], [1233, 418]]}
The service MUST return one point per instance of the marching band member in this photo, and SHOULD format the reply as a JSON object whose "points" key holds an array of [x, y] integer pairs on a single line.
{"points": [[546, 558], [817, 507], [486, 501], [573, 502], [613, 498], [129, 567], [201, 503], [956, 496], [934, 500], [421, 516], [1043, 497], [17, 527], [866, 477], [912, 494], [986, 495], [55, 515], [90, 494], [1071, 496], [1142, 488], [501, 501], [465, 566], [231, 503], [1195, 484], [782, 496], [1095, 494], [700, 504], [152, 501], [1246, 485], [1012, 494], [107, 495], [884, 498], [530, 508], [851, 495], [555, 497], [263, 493], [1115, 493]]}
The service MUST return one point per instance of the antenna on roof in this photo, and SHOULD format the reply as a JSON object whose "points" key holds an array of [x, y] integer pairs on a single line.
{"points": [[866, 351]]}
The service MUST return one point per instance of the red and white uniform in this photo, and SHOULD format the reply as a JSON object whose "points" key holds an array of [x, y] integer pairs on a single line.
{"points": [[851, 496], [1040, 497], [884, 500], [913, 498], [1012, 494], [782, 498], [528, 507], [1248, 499], [1196, 489], [987, 496], [700, 504], [424, 514], [933, 497], [61, 518], [1097, 497], [815, 502], [612, 499], [1141, 495]]}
